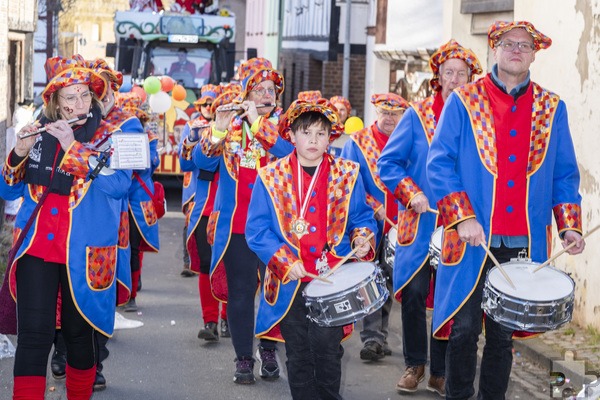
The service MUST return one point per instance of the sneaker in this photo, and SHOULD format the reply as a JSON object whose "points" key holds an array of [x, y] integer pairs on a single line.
{"points": [[269, 369], [411, 379], [244, 371], [386, 349], [58, 365], [225, 328], [372, 351], [131, 306], [209, 332], [99, 381], [437, 384]]}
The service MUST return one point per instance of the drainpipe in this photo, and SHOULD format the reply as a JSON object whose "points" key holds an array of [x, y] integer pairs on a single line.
{"points": [[346, 64]]}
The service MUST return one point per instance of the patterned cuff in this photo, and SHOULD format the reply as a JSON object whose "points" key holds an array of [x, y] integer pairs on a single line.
{"points": [[13, 175], [454, 208], [281, 263], [373, 203], [75, 160], [208, 147], [186, 149], [364, 232], [256, 125], [568, 217], [406, 190], [267, 134]]}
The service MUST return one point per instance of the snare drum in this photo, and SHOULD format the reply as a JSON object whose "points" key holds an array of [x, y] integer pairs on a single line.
{"points": [[435, 247], [389, 248], [358, 289], [542, 300]]}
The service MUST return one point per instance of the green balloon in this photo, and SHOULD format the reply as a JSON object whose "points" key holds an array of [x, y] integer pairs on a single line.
{"points": [[152, 85]]}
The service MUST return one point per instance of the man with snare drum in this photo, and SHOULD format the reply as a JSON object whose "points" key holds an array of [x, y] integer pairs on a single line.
{"points": [[501, 162], [402, 169]]}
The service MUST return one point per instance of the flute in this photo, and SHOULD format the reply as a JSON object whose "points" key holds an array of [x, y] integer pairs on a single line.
{"points": [[43, 128], [239, 108]]}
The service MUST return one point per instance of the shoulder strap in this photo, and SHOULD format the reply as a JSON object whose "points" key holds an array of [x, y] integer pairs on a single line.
{"points": [[141, 181]]}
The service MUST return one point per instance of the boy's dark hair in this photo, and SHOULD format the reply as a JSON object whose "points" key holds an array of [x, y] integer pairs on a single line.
{"points": [[310, 118]]}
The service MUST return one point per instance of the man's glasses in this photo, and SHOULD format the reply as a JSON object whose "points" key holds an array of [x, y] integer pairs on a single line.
{"points": [[524, 47], [390, 114], [262, 91], [72, 98]]}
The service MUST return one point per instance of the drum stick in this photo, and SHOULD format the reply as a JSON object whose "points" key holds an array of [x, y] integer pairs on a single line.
{"points": [[431, 210], [319, 277], [343, 260], [497, 264], [392, 223], [560, 253]]}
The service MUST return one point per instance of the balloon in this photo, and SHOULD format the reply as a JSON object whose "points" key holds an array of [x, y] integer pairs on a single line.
{"points": [[140, 92], [160, 102], [166, 83], [125, 87], [152, 85], [179, 93], [353, 124]]}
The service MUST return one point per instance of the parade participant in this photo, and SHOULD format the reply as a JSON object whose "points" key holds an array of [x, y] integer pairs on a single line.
{"points": [[306, 223], [62, 256], [402, 169], [365, 148], [500, 163], [206, 178], [343, 108], [203, 116], [243, 143]]}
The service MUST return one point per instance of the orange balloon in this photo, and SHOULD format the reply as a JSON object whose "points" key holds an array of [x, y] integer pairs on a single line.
{"points": [[140, 92], [179, 93], [166, 83]]}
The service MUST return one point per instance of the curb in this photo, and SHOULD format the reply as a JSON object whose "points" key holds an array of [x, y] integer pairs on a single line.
{"points": [[554, 360]]}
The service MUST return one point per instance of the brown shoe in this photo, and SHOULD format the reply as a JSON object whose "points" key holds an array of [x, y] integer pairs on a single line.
{"points": [[411, 379], [437, 384]]}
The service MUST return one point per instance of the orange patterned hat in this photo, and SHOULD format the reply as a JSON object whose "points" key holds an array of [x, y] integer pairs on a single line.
{"points": [[389, 101], [207, 92], [255, 71], [310, 95], [447, 51], [226, 95], [499, 28], [101, 66], [322, 106], [62, 72], [343, 100]]}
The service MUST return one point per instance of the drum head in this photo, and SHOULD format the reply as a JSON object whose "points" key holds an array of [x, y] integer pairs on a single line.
{"points": [[545, 285], [393, 236], [345, 277], [436, 237]]}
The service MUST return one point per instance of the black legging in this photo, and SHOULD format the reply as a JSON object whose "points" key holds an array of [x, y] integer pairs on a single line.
{"points": [[37, 290], [204, 249], [135, 239]]}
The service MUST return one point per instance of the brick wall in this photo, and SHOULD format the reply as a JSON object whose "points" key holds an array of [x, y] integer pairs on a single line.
{"points": [[302, 72]]}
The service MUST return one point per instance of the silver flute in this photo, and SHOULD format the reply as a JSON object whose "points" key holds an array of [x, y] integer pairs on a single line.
{"points": [[43, 128], [239, 108]]}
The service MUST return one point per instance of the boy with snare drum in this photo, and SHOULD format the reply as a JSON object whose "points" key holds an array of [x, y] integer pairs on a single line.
{"points": [[306, 213]]}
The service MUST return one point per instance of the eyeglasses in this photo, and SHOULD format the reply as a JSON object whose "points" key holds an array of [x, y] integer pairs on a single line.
{"points": [[72, 98], [524, 47], [261, 92], [390, 114], [448, 73]]}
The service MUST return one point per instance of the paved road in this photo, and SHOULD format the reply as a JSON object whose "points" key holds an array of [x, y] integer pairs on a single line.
{"points": [[164, 359]]}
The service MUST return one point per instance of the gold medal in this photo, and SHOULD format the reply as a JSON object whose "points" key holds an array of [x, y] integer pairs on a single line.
{"points": [[300, 227]]}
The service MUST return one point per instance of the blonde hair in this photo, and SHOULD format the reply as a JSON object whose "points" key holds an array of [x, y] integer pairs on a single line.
{"points": [[51, 111]]}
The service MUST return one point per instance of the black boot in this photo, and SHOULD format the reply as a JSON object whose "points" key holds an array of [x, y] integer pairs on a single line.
{"points": [[59, 357], [100, 381]]}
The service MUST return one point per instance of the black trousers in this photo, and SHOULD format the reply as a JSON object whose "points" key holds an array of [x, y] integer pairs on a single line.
{"points": [[38, 283]]}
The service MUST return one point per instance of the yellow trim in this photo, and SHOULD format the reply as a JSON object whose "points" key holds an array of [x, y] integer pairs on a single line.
{"points": [[218, 134], [263, 333], [256, 124]]}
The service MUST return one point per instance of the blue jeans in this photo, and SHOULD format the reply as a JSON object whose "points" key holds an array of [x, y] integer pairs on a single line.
{"points": [[461, 355], [414, 326], [314, 354]]}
